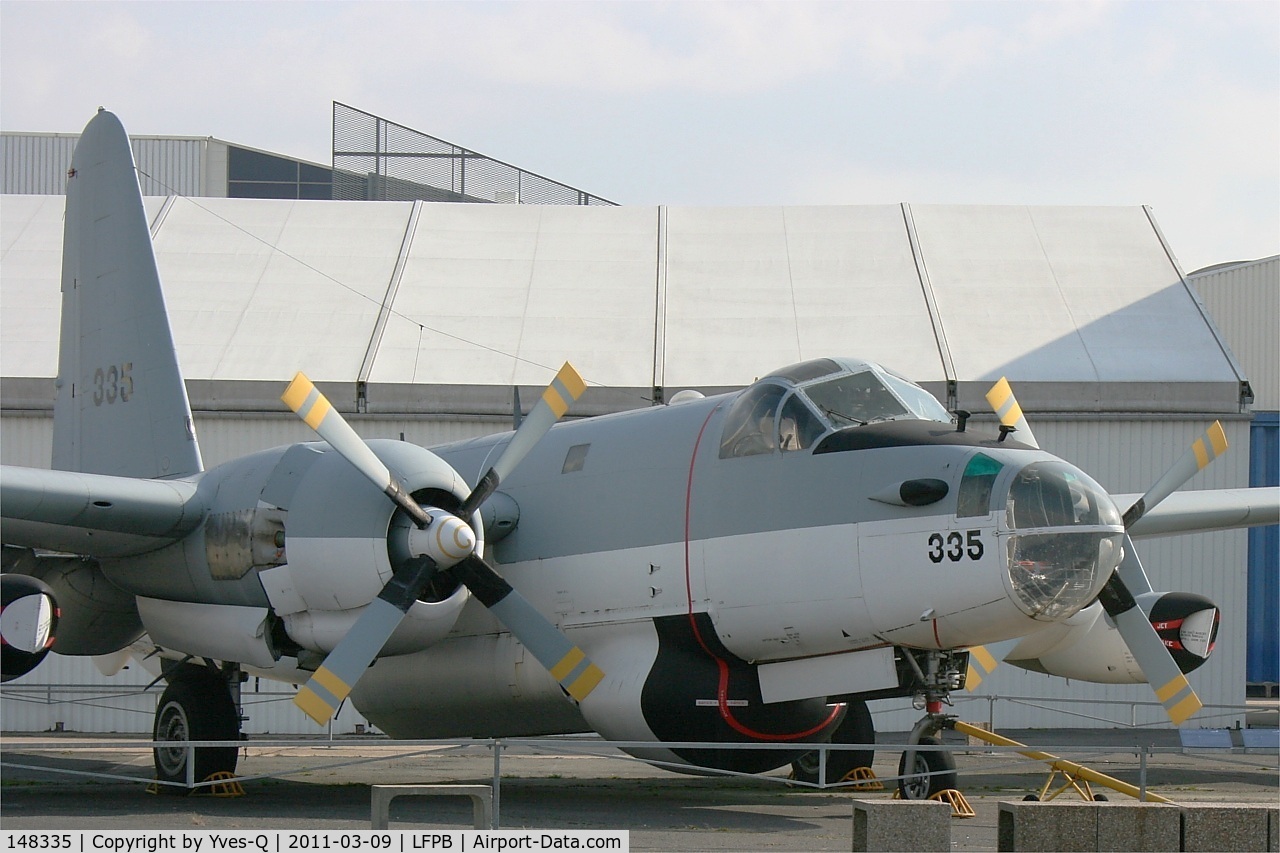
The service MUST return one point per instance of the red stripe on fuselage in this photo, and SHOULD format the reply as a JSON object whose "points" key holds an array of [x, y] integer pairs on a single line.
{"points": [[722, 688]]}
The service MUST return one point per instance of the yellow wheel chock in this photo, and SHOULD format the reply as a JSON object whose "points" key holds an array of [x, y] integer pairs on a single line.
{"points": [[866, 779], [226, 786]]}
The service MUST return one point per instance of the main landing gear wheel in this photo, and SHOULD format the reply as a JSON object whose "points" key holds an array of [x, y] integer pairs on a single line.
{"points": [[195, 706], [941, 767], [856, 727]]}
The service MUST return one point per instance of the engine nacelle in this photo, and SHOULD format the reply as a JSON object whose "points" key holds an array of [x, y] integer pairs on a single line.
{"points": [[28, 624], [343, 537], [1087, 646]]}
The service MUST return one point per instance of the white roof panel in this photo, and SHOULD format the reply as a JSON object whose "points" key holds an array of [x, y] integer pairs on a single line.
{"points": [[259, 289], [1082, 307], [30, 303], [753, 289], [544, 284], [1062, 294]]}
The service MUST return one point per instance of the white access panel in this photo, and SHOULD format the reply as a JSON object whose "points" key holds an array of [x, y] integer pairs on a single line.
{"points": [[504, 294], [750, 290]]}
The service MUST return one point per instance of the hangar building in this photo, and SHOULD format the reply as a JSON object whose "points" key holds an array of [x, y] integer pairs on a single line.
{"points": [[418, 319]]}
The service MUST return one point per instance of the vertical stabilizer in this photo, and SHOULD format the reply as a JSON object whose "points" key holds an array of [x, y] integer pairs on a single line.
{"points": [[121, 404]]}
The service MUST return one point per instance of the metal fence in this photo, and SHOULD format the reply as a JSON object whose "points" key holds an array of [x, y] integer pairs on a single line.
{"points": [[378, 160], [118, 759]]}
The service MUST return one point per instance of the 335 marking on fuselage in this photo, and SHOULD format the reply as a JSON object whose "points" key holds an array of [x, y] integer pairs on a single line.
{"points": [[956, 546]]}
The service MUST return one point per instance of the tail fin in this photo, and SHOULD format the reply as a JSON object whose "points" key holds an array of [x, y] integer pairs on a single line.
{"points": [[121, 405]]}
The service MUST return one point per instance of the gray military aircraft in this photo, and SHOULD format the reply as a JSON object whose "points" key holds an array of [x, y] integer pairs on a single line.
{"points": [[746, 568]]}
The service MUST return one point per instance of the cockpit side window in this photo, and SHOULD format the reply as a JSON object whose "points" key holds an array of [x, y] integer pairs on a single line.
{"points": [[974, 497], [798, 426], [854, 400], [749, 424]]}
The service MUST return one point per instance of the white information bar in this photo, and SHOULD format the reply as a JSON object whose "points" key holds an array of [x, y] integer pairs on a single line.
{"points": [[306, 841]]}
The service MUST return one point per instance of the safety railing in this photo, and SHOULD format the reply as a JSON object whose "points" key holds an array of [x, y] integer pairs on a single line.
{"points": [[319, 754]]}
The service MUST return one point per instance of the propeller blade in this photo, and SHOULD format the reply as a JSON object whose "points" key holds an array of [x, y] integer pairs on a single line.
{"points": [[1006, 407], [320, 697], [1162, 671], [567, 663], [1163, 674], [983, 661], [314, 408], [1130, 570], [560, 394], [1204, 450]]}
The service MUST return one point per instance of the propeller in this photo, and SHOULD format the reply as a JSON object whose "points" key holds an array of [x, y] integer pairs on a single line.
{"points": [[1162, 671], [443, 540]]}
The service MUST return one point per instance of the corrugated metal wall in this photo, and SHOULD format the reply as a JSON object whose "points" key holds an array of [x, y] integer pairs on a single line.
{"points": [[26, 438], [1244, 302], [72, 695], [37, 164]]}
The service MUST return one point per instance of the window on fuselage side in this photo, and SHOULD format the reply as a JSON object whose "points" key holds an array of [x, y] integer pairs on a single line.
{"points": [[749, 428], [974, 497], [798, 426]]}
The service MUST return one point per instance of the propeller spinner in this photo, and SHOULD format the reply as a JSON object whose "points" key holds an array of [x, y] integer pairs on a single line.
{"points": [[443, 540]]}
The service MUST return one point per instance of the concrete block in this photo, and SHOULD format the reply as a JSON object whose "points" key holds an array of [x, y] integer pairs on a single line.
{"points": [[1139, 826], [1261, 740], [1055, 825], [901, 825], [380, 797], [1273, 827], [1226, 826], [1205, 740]]}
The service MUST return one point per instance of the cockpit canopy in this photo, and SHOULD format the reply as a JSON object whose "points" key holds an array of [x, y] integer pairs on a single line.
{"points": [[794, 407]]}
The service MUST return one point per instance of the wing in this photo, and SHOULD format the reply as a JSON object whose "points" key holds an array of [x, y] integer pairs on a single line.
{"points": [[1203, 511], [95, 515]]}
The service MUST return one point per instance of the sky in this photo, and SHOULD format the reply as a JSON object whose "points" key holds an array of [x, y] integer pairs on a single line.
{"points": [[1175, 105]]}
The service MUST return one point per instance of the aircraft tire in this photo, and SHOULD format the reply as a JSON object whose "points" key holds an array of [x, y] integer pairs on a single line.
{"points": [[195, 706], [942, 766], [857, 727]]}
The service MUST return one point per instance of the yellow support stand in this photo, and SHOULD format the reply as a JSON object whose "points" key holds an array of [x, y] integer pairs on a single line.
{"points": [[1077, 775]]}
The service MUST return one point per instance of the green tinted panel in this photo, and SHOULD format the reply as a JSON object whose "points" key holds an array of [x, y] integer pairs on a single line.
{"points": [[975, 487]]}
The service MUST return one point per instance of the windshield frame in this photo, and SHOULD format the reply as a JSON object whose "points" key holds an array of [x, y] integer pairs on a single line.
{"points": [[877, 394]]}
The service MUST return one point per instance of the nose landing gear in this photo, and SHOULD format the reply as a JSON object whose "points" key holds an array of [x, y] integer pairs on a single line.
{"points": [[927, 773]]}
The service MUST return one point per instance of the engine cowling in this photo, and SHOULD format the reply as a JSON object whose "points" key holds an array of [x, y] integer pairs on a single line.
{"points": [[1089, 648], [28, 624], [343, 539]]}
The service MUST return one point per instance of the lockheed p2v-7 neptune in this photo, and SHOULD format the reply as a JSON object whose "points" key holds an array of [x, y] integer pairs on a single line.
{"points": [[746, 568]]}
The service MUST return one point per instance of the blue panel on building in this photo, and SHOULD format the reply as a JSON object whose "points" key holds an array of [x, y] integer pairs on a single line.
{"points": [[1263, 647]]}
